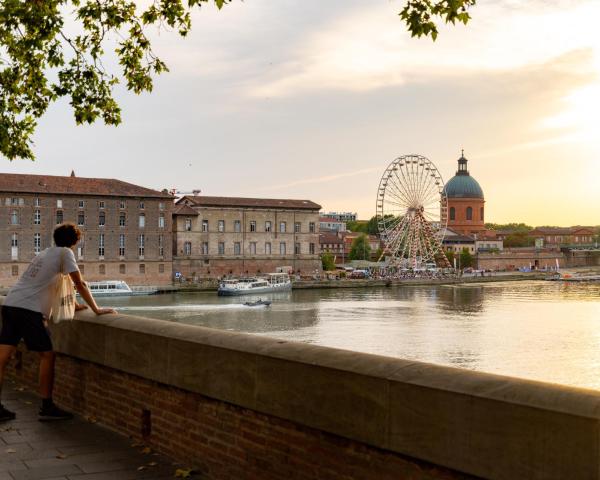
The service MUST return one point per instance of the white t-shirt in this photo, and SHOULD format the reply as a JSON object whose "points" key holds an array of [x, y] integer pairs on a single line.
{"points": [[35, 289]]}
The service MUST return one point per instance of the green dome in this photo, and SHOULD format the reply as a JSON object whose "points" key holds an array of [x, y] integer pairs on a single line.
{"points": [[463, 185]]}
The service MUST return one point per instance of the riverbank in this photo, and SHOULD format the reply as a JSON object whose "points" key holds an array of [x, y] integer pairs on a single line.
{"points": [[207, 286]]}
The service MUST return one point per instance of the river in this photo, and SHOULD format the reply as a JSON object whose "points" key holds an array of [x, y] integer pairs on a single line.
{"points": [[540, 330]]}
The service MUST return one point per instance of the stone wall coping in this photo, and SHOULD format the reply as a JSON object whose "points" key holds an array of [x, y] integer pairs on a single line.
{"points": [[481, 424]]}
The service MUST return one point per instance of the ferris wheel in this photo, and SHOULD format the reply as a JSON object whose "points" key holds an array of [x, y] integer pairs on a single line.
{"points": [[412, 212]]}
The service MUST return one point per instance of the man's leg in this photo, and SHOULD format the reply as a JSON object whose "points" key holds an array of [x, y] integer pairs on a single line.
{"points": [[46, 374], [6, 352]]}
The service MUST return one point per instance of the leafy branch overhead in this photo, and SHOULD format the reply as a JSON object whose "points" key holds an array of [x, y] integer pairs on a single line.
{"points": [[41, 59]]}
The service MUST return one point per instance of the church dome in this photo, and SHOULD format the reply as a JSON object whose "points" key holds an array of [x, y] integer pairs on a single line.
{"points": [[463, 185]]}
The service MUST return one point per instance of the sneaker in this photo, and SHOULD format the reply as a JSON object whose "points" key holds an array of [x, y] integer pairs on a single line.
{"points": [[6, 414], [53, 413]]}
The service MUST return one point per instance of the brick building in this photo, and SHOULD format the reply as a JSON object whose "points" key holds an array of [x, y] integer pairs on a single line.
{"points": [[556, 236], [465, 201], [126, 228], [216, 236]]}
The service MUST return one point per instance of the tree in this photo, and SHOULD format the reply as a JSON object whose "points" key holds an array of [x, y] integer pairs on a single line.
{"points": [[360, 250], [518, 239], [42, 61], [515, 227], [466, 259], [327, 261], [357, 226], [450, 256]]}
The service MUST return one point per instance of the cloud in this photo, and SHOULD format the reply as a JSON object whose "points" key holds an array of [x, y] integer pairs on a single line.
{"points": [[371, 49]]}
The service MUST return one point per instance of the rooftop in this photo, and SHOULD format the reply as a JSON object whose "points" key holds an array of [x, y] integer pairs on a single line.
{"points": [[270, 203], [72, 185]]}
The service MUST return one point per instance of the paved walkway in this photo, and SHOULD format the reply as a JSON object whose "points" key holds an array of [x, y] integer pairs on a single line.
{"points": [[69, 450]]}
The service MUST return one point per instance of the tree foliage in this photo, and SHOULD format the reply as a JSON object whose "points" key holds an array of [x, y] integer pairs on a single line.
{"points": [[360, 250], [515, 227], [518, 239], [327, 261], [55, 48], [466, 259]]}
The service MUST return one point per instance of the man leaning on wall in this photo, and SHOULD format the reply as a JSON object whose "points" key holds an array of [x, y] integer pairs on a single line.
{"points": [[26, 310]]}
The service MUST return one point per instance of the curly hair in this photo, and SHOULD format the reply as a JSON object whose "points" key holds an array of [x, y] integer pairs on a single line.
{"points": [[66, 235]]}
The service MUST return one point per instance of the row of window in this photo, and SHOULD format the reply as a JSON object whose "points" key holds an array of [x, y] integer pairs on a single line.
{"points": [[237, 248], [15, 219], [469, 213], [102, 269], [141, 245], [237, 226], [37, 202]]}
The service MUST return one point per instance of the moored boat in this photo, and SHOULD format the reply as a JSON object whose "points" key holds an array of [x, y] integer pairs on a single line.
{"points": [[113, 288], [275, 282]]}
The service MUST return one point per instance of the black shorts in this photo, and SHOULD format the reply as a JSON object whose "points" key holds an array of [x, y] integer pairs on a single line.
{"points": [[20, 323]]}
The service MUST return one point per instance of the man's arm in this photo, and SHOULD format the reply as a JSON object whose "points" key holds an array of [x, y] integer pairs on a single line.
{"points": [[83, 290]]}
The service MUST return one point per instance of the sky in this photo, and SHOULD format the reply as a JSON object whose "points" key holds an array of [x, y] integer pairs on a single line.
{"points": [[313, 100]]}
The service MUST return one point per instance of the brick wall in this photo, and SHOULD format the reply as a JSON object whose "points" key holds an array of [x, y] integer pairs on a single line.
{"points": [[222, 441]]}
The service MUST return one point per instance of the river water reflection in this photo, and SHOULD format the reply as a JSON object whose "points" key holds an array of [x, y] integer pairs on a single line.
{"points": [[541, 330]]}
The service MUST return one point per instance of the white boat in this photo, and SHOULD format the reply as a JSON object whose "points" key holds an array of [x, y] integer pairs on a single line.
{"points": [[275, 282], [111, 288]]}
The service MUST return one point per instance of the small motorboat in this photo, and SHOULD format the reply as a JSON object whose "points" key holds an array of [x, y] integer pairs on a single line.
{"points": [[259, 303]]}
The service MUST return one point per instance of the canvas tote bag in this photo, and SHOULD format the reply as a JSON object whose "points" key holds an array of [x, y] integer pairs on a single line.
{"points": [[63, 306]]}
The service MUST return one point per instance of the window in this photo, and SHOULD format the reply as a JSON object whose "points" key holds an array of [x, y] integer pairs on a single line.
{"points": [[142, 220], [204, 248], [14, 217], [267, 226], [81, 218], [121, 204], [14, 240], [205, 225], [37, 217], [297, 226], [121, 245], [452, 213], [101, 219], [161, 220], [59, 217], [37, 202], [188, 225], [268, 248], [469, 213], [311, 248], [142, 268], [253, 226], [311, 227], [122, 268], [161, 268], [101, 245], [121, 219], [101, 204], [237, 248], [141, 245], [15, 270], [221, 225], [481, 214], [59, 203], [221, 248], [161, 205], [81, 203], [80, 249], [237, 226], [282, 227], [296, 248], [252, 248], [187, 248], [282, 248], [102, 269], [161, 246], [141, 204], [37, 243]]}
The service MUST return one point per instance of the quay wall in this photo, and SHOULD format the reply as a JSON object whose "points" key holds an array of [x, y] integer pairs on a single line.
{"points": [[237, 406]]}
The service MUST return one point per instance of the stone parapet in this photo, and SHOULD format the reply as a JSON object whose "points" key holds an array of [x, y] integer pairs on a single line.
{"points": [[262, 404]]}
